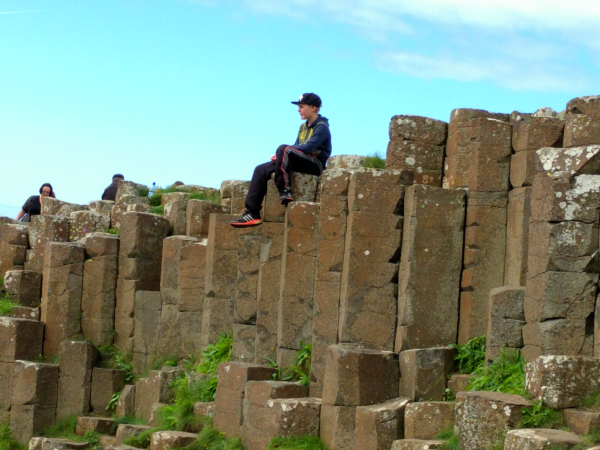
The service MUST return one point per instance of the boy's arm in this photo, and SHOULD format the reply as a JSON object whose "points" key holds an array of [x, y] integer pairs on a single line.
{"points": [[320, 135]]}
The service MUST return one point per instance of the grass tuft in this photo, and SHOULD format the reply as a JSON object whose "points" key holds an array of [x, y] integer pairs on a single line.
{"points": [[471, 356], [211, 439], [142, 440], [505, 374], [297, 443], [540, 416], [6, 443], [451, 440], [374, 161], [6, 305], [160, 210]]}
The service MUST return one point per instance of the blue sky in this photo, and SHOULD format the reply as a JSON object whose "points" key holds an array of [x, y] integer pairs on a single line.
{"points": [[199, 91]]}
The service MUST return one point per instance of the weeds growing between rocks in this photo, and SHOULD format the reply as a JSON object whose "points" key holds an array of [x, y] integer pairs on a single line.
{"points": [[471, 356], [6, 305], [6, 443], [374, 160], [299, 371], [297, 443], [504, 374]]}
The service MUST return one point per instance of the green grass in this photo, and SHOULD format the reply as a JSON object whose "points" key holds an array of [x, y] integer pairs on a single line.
{"points": [[451, 440], [297, 443], [299, 371], [471, 356], [112, 231], [211, 439], [6, 305], [129, 419], [114, 358], [505, 374], [156, 198], [180, 415], [142, 440], [160, 210], [6, 443], [170, 361], [215, 199], [374, 161], [65, 429], [591, 401], [540, 416], [143, 192], [216, 354], [589, 440]]}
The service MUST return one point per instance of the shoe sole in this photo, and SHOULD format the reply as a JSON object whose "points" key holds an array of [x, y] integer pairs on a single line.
{"points": [[251, 223]]}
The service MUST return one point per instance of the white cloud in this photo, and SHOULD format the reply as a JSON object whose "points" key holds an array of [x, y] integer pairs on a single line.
{"points": [[515, 76], [547, 45]]}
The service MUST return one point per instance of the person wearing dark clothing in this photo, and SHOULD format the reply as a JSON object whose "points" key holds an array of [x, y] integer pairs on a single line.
{"points": [[110, 193], [33, 205], [309, 155]]}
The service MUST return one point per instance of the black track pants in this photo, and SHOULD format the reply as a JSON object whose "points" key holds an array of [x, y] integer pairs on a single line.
{"points": [[288, 159]]}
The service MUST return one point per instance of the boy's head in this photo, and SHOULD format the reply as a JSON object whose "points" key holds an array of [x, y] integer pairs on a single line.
{"points": [[309, 105]]}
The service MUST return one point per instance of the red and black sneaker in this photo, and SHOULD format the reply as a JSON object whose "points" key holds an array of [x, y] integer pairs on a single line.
{"points": [[247, 220], [286, 196]]}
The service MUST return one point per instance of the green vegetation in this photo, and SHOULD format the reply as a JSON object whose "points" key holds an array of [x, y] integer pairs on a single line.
{"points": [[589, 440], [471, 356], [65, 429], [505, 374], [297, 443], [374, 161], [115, 358], [142, 440], [6, 305], [143, 192], [540, 416], [170, 361], [211, 439], [215, 354], [450, 438], [591, 401], [112, 231], [180, 415], [193, 388], [6, 443], [160, 210], [299, 371], [156, 198]]}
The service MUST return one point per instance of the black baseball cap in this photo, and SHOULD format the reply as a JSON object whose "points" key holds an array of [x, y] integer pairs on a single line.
{"points": [[309, 99]]}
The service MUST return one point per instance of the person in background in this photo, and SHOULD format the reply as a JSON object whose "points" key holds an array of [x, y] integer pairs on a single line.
{"points": [[110, 193], [33, 205]]}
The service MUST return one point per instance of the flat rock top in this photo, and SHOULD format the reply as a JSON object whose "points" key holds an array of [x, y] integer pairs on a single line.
{"points": [[495, 396], [543, 434]]}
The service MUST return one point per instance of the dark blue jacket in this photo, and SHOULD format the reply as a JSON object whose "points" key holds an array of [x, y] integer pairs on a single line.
{"points": [[315, 139]]}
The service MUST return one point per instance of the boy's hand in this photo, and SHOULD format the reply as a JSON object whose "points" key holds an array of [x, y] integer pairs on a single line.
{"points": [[273, 158]]}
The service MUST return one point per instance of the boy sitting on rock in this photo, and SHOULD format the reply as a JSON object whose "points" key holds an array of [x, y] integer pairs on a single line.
{"points": [[308, 155]]}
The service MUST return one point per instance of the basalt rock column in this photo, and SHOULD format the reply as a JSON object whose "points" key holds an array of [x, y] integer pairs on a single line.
{"points": [[140, 256], [304, 189], [330, 257], [369, 290], [297, 276], [43, 229], [221, 276], [582, 121], [245, 306], [192, 279], [198, 215], [175, 204], [430, 267], [62, 288], [517, 236], [13, 246], [269, 282], [460, 152], [99, 285], [417, 143], [563, 265]]}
